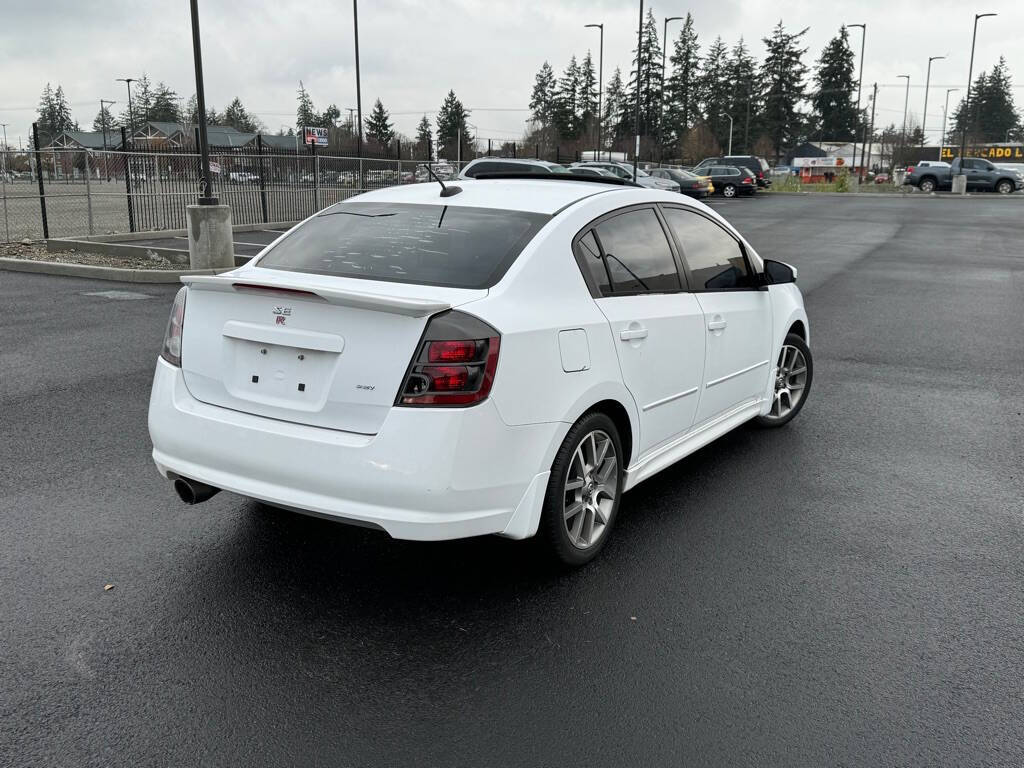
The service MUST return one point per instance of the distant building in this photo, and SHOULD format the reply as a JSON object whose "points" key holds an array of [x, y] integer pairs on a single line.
{"points": [[89, 140]]}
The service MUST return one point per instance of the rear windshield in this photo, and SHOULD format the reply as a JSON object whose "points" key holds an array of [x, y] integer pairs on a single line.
{"points": [[425, 244]]}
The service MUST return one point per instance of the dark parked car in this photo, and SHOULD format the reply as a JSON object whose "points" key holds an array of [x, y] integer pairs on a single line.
{"points": [[689, 183], [981, 175], [757, 166], [731, 181]]}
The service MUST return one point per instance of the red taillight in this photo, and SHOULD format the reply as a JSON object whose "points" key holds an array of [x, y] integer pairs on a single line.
{"points": [[910, 169], [171, 351], [760, 174], [451, 351], [748, 180], [434, 380]]}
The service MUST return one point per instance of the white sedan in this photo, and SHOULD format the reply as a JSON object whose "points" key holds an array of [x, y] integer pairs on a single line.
{"points": [[505, 358]]}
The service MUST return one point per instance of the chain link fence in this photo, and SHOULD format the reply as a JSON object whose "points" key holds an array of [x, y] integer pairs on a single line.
{"points": [[72, 192]]}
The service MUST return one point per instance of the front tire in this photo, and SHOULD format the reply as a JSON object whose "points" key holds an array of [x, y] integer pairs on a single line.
{"points": [[584, 491], [1004, 187], [793, 379]]}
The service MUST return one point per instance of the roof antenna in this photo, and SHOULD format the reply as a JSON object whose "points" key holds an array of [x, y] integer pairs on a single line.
{"points": [[445, 191]]}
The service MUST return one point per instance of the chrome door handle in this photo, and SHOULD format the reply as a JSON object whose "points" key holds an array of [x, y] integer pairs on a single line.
{"points": [[633, 333], [716, 325]]}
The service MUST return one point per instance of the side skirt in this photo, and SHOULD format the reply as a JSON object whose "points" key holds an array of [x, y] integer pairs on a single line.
{"points": [[649, 465]]}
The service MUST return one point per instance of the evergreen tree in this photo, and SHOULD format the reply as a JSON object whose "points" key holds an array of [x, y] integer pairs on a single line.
{"points": [[451, 123], [614, 117], [330, 116], [46, 115], [62, 120], [542, 103], [163, 105], [378, 125], [305, 113], [715, 90], [646, 76], [782, 76], [997, 112], [566, 103], [681, 87], [587, 97], [835, 84], [424, 138], [191, 114], [142, 101], [239, 118], [744, 92]]}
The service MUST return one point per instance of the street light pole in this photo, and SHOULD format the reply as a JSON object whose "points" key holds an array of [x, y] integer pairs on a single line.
{"points": [[945, 112], [600, 87], [3, 153], [970, 74], [104, 114], [639, 88], [927, 85], [206, 188], [131, 115], [730, 133], [359, 95], [661, 100], [903, 132], [860, 78]]}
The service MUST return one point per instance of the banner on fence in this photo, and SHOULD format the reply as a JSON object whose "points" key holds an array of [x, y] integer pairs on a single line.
{"points": [[316, 136]]}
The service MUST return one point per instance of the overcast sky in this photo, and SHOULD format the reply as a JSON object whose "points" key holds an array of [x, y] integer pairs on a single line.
{"points": [[486, 50]]}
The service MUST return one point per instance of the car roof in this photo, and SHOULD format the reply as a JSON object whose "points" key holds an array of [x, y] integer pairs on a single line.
{"points": [[521, 160], [534, 195]]}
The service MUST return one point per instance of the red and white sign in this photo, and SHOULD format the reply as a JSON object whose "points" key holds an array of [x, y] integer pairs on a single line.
{"points": [[316, 136]]}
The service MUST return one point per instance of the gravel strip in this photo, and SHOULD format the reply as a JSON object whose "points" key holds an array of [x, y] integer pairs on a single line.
{"points": [[38, 252]]}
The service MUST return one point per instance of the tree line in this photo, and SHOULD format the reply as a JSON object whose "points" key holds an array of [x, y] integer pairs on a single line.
{"points": [[774, 104]]}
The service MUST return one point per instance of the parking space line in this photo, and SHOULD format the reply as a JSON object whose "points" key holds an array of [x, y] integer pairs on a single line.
{"points": [[254, 245]]}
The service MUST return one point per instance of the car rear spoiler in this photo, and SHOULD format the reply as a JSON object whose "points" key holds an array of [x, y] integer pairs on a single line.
{"points": [[342, 297]]}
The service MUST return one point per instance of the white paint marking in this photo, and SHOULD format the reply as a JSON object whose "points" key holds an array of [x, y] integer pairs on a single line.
{"points": [[119, 295]]}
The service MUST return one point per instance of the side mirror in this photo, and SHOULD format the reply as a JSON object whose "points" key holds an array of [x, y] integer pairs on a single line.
{"points": [[778, 272]]}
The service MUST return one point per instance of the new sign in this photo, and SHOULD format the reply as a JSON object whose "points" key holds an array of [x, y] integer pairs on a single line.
{"points": [[316, 136]]}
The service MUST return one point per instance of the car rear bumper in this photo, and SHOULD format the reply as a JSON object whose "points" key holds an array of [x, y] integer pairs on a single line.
{"points": [[429, 474]]}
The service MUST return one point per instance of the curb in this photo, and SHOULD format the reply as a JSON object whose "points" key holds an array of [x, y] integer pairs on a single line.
{"points": [[94, 272], [175, 255], [917, 195]]}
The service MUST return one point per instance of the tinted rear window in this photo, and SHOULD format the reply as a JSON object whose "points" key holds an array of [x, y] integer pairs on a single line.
{"points": [[425, 244]]}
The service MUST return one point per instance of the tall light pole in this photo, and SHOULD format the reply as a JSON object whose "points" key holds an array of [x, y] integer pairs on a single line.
{"points": [[104, 115], [970, 74], [3, 153], [661, 100], [860, 78], [903, 133], [359, 95], [945, 112], [600, 86], [730, 133], [206, 182], [927, 84], [639, 88], [131, 115]]}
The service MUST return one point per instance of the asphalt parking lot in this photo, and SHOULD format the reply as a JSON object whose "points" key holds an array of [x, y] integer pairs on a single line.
{"points": [[847, 590]]}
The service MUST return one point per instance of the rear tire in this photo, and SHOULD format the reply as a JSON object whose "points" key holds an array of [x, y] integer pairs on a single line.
{"points": [[584, 491], [729, 190], [927, 186], [793, 380]]}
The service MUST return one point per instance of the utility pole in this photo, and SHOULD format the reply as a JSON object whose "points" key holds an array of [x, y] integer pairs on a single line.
{"points": [[871, 130], [860, 80], [661, 100], [207, 197], [600, 87], [924, 118], [639, 88], [359, 95], [903, 132], [131, 115], [730, 133], [3, 154], [945, 112]]}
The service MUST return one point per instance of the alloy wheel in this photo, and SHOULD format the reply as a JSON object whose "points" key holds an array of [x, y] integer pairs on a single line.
{"points": [[729, 191], [1004, 188], [790, 382], [927, 186], [591, 488]]}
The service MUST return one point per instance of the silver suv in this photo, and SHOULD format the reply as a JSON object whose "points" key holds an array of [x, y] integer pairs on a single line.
{"points": [[625, 171]]}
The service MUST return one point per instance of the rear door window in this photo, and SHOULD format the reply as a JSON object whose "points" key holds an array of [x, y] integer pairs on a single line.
{"points": [[458, 247], [633, 255]]}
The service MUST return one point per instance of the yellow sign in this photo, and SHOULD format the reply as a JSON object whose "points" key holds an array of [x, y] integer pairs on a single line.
{"points": [[1015, 154]]}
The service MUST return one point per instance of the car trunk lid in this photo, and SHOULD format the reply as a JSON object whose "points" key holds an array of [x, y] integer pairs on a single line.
{"points": [[323, 351]]}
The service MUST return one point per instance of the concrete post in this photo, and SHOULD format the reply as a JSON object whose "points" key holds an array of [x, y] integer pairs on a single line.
{"points": [[959, 184], [210, 241]]}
